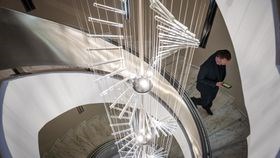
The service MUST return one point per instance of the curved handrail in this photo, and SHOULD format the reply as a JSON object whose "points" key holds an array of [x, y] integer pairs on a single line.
{"points": [[85, 70], [206, 150], [101, 147]]}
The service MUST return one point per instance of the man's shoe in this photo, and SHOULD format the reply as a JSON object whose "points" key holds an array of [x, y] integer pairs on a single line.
{"points": [[208, 110]]}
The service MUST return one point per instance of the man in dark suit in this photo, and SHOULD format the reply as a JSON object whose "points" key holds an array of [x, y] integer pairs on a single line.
{"points": [[210, 78]]}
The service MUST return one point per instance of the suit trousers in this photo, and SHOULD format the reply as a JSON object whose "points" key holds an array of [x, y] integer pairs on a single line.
{"points": [[207, 97]]}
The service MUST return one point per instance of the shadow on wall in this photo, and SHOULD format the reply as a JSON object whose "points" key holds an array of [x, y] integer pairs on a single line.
{"points": [[276, 10]]}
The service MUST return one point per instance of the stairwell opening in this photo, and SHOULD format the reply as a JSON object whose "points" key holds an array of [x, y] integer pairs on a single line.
{"points": [[86, 134]]}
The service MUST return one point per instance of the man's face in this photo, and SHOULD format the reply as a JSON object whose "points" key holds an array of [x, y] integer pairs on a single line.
{"points": [[225, 61], [222, 61]]}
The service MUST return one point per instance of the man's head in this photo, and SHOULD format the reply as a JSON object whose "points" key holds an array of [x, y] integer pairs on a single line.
{"points": [[223, 57]]}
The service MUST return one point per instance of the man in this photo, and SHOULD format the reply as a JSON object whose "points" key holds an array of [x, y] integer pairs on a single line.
{"points": [[210, 78]]}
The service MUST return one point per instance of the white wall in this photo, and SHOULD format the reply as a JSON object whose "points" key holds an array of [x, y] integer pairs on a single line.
{"points": [[251, 27], [30, 102]]}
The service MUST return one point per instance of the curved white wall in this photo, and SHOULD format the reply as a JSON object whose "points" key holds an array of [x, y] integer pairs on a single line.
{"points": [[251, 27], [30, 102]]}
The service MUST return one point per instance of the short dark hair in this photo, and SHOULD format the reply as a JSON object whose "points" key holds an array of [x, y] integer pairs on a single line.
{"points": [[224, 54]]}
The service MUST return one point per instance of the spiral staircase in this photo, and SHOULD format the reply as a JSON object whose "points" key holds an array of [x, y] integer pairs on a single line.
{"points": [[227, 130]]}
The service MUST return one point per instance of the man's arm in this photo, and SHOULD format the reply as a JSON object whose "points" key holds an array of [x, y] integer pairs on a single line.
{"points": [[201, 78]]}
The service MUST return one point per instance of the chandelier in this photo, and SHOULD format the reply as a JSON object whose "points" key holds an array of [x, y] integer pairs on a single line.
{"points": [[138, 132]]}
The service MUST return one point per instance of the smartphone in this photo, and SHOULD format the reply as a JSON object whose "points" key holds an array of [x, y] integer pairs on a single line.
{"points": [[226, 85]]}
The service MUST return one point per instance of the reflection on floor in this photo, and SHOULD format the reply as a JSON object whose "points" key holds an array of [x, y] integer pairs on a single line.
{"points": [[228, 128]]}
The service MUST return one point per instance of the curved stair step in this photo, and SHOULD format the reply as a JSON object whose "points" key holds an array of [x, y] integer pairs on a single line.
{"points": [[230, 135], [237, 150], [80, 141], [175, 150], [221, 119]]}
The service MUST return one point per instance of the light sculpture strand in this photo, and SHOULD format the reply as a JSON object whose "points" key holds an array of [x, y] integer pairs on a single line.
{"points": [[173, 35], [137, 131]]}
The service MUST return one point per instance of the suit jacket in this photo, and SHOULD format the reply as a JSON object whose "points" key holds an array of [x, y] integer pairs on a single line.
{"points": [[209, 74]]}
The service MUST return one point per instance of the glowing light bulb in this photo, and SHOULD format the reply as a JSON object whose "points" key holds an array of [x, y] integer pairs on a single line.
{"points": [[149, 136], [144, 83], [132, 75], [140, 138], [142, 131]]}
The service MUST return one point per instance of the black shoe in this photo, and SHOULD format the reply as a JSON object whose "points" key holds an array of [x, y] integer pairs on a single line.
{"points": [[194, 100], [208, 110]]}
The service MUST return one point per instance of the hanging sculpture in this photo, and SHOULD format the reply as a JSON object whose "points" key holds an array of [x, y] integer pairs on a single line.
{"points": [[138, 133]]}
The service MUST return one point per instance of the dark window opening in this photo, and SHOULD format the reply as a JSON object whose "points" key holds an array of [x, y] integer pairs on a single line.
{"points": [[28, 5], [208, 23]]}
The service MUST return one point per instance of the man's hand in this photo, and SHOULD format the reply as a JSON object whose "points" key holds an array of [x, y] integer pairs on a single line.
{"points": [[219, 84]]}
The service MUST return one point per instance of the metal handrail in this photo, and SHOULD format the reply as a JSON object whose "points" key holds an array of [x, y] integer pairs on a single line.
{"points": [[101, 148], [205, 144], [87, 70]]}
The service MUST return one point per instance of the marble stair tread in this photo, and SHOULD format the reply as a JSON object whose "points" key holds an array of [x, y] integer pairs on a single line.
{"points": [[175, 150], [193, 74], [53, 153], [81, 138], [238, 150], [80, 141], [222, 118], [92, 130], [61, 150], [70, 144], [230, 135], [77, 140]]}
